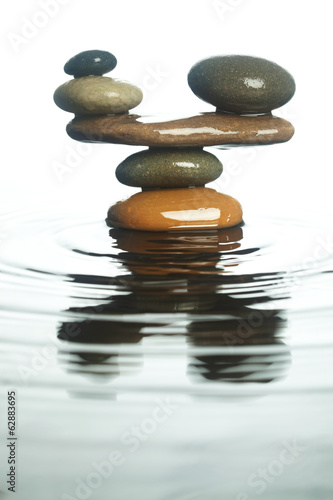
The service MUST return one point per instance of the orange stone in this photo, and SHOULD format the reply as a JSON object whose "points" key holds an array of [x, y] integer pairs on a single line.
{"points": [[176, 209]]}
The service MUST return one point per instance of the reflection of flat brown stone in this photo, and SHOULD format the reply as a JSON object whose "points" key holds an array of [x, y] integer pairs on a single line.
{"points": [[207, 129]]}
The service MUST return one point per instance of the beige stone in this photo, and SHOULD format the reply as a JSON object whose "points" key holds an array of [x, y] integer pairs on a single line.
{"points": [[97, 95]]}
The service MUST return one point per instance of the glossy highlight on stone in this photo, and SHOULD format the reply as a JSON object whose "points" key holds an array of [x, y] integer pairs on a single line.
{"points": [[176, 209], [174, 170], [241, 84], [169, 168], [97, 95], [206, 129], [90, 62]]}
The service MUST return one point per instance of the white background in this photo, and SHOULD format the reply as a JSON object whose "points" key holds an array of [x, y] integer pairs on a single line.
{"points": [[166, 38]]}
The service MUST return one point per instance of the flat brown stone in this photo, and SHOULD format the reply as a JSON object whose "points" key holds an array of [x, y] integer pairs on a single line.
{"points": [[206, 129]]}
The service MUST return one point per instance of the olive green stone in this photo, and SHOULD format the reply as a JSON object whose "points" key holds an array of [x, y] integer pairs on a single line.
{"points": [[169, 168], [241, 84]]}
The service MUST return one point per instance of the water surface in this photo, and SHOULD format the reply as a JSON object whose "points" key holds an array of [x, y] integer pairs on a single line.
{"points": [[201, 357]]}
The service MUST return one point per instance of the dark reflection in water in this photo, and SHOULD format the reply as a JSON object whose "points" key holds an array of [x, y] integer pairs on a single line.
{"points": [[256, 366], [178, 253], [100, 332], [233, 323]]}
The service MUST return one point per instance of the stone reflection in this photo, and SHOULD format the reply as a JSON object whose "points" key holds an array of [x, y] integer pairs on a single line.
{"points": [[248, 348], [182, 252], [232, 323], [89, 335]]}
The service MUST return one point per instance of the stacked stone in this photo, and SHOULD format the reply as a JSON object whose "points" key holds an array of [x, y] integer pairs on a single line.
{"points": [[174, 171], [173, 194], [241, 84], [90, 93]]}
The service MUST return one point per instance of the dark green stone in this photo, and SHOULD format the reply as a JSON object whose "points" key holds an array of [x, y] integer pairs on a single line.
{"points": [[241, 84], [90, 62], [169, 168]]}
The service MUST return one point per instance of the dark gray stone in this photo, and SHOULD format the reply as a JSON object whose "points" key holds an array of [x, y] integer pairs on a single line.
{"points": [[241, 84], [90, 62]]}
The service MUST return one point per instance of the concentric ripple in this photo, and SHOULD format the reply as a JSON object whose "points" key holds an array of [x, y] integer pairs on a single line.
{"points": [[108, 298], [226, 335]]}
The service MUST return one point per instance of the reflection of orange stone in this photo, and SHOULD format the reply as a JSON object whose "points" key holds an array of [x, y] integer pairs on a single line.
{"points": [[177, 243], [195, 252], [173, 209]]}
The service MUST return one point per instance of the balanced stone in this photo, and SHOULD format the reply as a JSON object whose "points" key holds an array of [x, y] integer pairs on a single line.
{"points": [[206, 129], [90, 62], [97, 95], [241, 84], [169, 168], [176, 209]]}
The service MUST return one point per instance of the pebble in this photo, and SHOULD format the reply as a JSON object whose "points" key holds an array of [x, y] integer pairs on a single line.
{"points": [[169, 168], [241, 84], [207, 129], [90, 62], [174, 209], [97, 95]]}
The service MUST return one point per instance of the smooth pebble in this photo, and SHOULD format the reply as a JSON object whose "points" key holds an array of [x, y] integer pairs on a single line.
{"points": [[90, 62], [241, 84], [169, 168], [97, 95], [174, 209]]}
